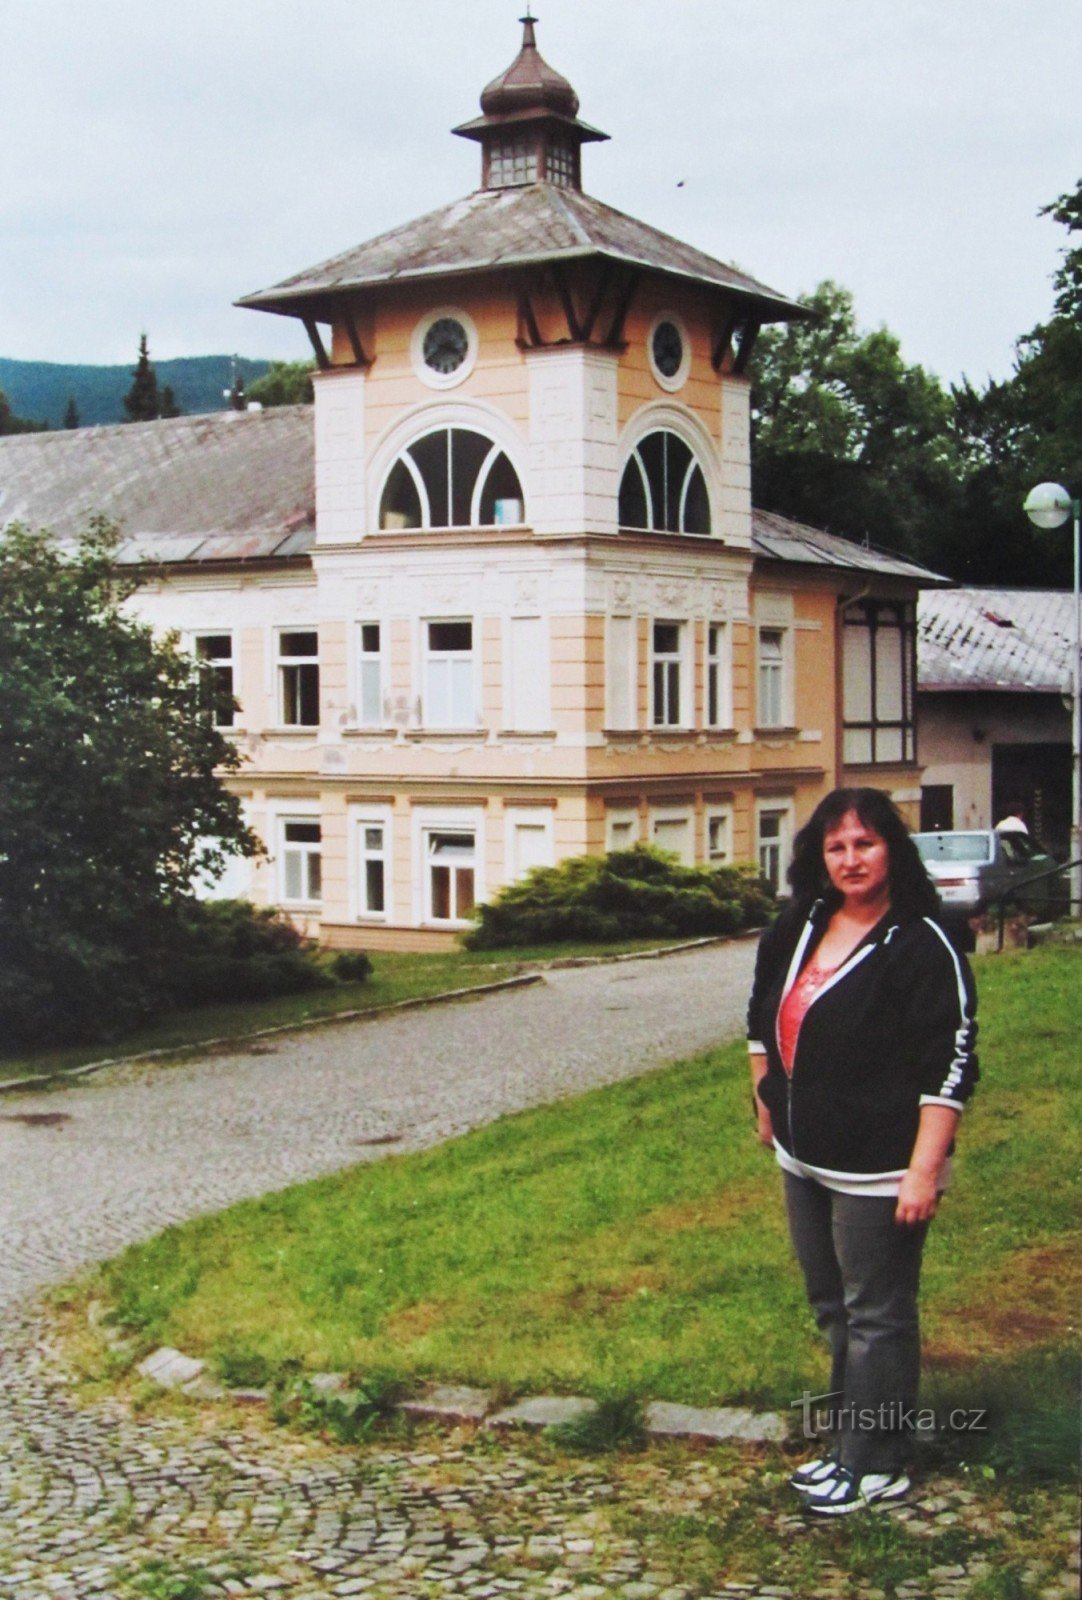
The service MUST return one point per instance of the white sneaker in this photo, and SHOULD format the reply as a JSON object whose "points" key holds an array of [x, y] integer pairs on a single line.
{"points": [[843, 1492], [813, 1473]]}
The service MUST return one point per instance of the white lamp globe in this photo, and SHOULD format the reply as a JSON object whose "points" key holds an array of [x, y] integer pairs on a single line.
{"points": [[1048, 505]]}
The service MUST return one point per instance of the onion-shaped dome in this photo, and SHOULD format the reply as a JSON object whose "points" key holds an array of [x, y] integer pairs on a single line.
{"points": [[529, 83]]}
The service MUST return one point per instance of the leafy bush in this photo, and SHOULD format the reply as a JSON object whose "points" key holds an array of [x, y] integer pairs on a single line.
{"points": [[351, 966], [629, 894], [233, 950]]}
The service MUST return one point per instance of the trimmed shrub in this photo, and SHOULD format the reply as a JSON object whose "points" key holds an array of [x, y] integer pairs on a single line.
{"points": [[233, 950], [351, 966], [629, 894]]}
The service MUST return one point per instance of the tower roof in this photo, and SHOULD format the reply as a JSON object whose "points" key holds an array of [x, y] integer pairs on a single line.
{"points": [[500, 228], [529, 126]]}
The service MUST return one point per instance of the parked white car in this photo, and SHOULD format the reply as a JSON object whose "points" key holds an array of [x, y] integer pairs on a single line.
{"points": [[971, 868]]}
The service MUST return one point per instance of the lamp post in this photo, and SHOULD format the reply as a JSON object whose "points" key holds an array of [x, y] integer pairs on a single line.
{"points": [[1048, 506]]}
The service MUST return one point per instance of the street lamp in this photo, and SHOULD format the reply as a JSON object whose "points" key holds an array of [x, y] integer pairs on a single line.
{"points": [[1048, 506]]}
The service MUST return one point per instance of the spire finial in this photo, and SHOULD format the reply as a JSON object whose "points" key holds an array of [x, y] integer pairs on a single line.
{"points": [[529, 39]]}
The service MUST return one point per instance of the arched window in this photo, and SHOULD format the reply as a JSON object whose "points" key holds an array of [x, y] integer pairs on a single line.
{"points": [[451, 478], [663, 489]]}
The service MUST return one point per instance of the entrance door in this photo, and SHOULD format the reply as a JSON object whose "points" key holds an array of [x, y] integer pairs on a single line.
{"points": [[937, 808], [1039, 777]]}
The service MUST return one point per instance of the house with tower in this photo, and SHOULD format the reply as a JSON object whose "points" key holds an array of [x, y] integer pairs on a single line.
{"points": [[502, 597]]}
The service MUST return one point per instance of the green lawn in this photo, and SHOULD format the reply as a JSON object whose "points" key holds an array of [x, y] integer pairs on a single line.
{"points": [[395, 977], [631, 1241]]}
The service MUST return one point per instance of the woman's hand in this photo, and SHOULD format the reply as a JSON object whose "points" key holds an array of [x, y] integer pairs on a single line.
{"points": [[918, 1193], [765, 1128], [918, 1197]]}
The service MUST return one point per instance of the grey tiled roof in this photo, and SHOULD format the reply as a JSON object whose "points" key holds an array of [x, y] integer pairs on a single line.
{"points": [[238, 486], [1007, 639], [513, 227], [231, 486], [785, 540]]}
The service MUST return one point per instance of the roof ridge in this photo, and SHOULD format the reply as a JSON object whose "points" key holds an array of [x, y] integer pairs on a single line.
{"points": [[558, 197], [682, 244]]}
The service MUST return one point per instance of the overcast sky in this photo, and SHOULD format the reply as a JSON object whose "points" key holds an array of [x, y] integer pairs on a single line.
{"points": [[161, 159]]}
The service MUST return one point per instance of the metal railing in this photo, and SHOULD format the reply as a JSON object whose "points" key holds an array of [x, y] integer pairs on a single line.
{"points": [[1006, 896]]}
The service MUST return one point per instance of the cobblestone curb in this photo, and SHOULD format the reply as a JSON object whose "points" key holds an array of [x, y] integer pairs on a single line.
{"points": [[239, 1040], [531, 972], [170, 1369]]}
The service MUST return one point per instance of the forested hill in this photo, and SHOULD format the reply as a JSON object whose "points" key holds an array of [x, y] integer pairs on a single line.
{"points": [[40, 390]]}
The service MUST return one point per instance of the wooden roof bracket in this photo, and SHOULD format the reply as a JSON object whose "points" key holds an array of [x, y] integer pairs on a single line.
{"points": [[604, 278], [614, 339], [323, 360], [745, 344], [529, 321], [574, 326], [355, 339], [725, 340]]}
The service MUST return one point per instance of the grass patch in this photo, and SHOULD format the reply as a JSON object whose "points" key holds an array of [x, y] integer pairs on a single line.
{"points": [[617, 1424], [395, 977], [630, 1242]]}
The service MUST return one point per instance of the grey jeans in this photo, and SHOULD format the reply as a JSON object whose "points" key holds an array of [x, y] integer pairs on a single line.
{"points": [[862, 1271]]}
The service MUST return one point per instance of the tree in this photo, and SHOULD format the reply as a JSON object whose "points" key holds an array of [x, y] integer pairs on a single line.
{"points": [[71, 415], [9, 423], [238, 400], [846, 436], [141, 401], [288, 383], [111, 800], [169, 403], [1023, 431]]}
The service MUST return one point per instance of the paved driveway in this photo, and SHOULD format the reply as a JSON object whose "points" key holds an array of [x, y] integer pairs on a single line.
{"points": [[97, 1166]]}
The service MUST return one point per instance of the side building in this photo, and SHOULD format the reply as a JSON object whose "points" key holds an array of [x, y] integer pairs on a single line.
{"points": [[502, 597], [994, 698]]}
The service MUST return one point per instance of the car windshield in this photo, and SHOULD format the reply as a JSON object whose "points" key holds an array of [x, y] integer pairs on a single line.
{"points": [[953, 846]]}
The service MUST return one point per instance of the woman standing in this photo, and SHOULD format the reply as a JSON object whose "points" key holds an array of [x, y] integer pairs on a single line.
{"points": [[861, 1030]]}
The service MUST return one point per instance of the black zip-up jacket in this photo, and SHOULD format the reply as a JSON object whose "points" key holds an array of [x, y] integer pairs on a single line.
{"points": [[892, 1030]]}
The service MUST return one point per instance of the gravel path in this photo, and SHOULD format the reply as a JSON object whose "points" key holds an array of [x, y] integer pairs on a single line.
{"points": [[97, 1166]]}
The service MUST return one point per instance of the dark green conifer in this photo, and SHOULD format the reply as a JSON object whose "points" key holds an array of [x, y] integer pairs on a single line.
{"points": [[141, 401]]}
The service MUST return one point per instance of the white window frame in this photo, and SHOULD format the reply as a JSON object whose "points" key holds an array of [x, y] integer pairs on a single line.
{"points": [[515, 817], [305, 814], [426, 822], [685, 817], [361, 818], [364, 661], [443, 380], [538, 672], [783, 809], [437, 839], [284, 663], [670, 659], [620, 817], [429, 658], [718, 669], [219, 662], [780, 679], [621, 676], [720, 817], [680, 376]]}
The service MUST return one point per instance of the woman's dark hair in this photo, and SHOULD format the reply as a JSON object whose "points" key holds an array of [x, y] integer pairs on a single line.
{"points": [[912, 893]]}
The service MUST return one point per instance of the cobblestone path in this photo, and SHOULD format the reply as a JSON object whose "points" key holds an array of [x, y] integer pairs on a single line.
{"points": [[96, 1166], [99, 1504], [102, 1502]]}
